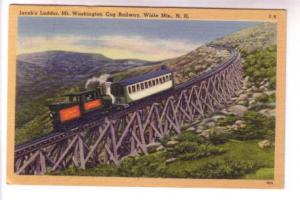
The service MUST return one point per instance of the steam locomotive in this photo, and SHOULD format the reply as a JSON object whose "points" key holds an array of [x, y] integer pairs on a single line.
{"points": [[111, 96]]}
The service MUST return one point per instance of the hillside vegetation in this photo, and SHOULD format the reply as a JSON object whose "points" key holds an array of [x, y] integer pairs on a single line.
{"points": [[235, 142]]}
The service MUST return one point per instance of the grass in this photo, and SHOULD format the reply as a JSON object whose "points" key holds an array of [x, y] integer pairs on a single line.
{"points": [[235, 150], [153, 165], [261, 174]]}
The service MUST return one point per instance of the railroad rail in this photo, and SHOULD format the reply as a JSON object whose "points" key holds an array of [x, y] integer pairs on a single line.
{"points": [[108, 138]]}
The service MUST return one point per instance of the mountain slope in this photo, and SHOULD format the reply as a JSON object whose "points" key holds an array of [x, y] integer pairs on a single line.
{"points": [[185, 67], [46, 72], [250, 39]]}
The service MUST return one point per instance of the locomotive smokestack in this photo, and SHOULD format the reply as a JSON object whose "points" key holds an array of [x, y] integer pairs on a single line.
{"points": [[104, 82], [108, 92]]}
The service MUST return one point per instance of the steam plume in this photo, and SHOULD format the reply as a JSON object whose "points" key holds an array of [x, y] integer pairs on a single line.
{"points": [[102, 79]]}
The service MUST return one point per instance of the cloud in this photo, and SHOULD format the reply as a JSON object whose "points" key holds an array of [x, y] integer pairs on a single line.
{"points": [[113, 46]]}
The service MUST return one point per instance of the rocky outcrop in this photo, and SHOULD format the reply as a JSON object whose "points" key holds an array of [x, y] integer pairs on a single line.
{"points": [[264, 144], [250, 97], [238, 110]]}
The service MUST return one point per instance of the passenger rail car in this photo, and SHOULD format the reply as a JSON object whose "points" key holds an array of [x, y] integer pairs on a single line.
{"points": [[139, 87]]}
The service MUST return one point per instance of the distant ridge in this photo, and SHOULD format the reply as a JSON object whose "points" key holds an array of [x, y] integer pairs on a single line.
{"points": [[45, 72]]}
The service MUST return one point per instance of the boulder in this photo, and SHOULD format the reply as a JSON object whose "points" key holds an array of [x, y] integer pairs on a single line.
{"points": [[152, 147], [224, 112], [243, 97], [239, 92], [267, 84], [170, 160], [191, 128], [160, 148], [196, 121], [244, 88], [205, 133], [199, 129], [254, 88], [221, 129], [249, 90], [235, 127], [252, 101], [211, 124], [262, 88], [243, 102], [262, 82], [191, 74], [264, 144], [238, 110], [239, 122], [217, 117], [269, 93], [171, 143], [256, 94], [246, 80], [233, 98], [200, 126], [243, 126], [268, 112], [206, 120]]}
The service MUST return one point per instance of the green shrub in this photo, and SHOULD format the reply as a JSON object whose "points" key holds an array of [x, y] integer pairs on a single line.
{"points": [[174, 173], [167, 138], [202, 151], [192, 150], [100, 170], [264, 98], [228, 120], [261, 64], [152, 165], [190, 137], [221, 169], [186, 147], [218, 138], [257, 126]]}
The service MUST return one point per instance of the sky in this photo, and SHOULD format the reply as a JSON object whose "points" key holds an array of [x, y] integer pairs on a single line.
{"points": [[120, 38]]}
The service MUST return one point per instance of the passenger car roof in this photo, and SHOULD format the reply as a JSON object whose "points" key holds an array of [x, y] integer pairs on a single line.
{"points": [[136, 79]]}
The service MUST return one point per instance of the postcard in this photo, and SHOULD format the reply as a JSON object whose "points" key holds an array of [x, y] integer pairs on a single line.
{"points": [[146, 96]]}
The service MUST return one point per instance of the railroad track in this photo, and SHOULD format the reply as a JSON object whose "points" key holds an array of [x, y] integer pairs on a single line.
{"points": [[97, 119]]}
